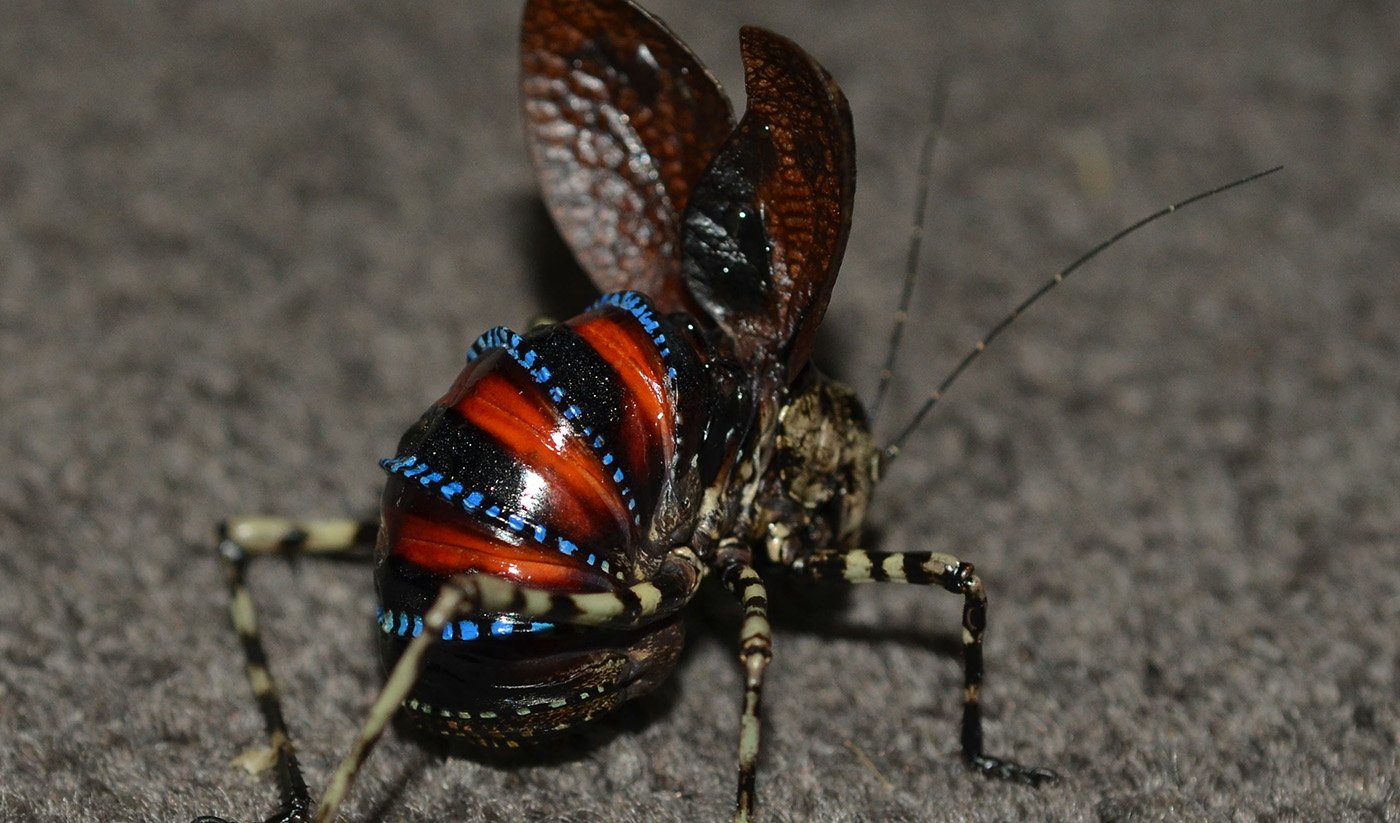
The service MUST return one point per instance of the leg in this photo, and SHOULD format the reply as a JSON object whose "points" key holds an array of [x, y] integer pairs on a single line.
{"points": [[927, 569], [665, 593], [239, 540], [736, 570]]}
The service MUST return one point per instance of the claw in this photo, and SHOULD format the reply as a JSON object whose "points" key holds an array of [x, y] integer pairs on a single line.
{"points": [[995, 767]]}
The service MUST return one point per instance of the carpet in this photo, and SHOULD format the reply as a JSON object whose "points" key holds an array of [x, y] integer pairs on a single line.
{"points": [[243, 245]]}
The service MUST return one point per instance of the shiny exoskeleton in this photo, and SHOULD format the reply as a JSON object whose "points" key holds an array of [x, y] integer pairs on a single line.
{"points": [[569, 459], [546, 520]]}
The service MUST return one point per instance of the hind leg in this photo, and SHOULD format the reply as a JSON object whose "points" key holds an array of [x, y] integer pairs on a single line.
{"points": [[240, 540], [668, 590]]}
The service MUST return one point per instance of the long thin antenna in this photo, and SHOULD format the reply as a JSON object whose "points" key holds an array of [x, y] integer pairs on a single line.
{"points": [[892, 450], [916, 238]]}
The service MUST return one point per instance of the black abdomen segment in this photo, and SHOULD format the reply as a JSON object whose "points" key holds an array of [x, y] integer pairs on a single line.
{"points": [[548, 463]]}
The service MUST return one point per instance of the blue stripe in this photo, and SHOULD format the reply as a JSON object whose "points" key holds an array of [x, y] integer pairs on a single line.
{"points": [[404, 624]]}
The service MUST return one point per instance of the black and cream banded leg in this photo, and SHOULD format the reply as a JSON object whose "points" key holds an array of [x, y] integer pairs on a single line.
{"points": [[736, 571], [957, 577], [665, 593], [239, 540]]}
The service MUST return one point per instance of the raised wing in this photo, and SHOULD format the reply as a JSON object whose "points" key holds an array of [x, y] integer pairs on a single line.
{"points": [[622, 119], [767, 223]]}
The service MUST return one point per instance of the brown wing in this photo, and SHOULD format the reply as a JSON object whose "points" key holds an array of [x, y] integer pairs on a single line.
{"points": [[768, 221], [621, 119]]}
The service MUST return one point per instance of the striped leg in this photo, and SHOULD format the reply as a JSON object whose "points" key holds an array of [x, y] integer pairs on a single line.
{"points": [[239, 540], [466, 595], [930, 569], [735, 563]]}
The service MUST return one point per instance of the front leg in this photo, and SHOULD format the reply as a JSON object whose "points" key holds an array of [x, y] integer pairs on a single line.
{"points": [[935, 569], [736, 571]]}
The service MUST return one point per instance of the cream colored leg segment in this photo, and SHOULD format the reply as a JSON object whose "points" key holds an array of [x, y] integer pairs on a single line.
{"points": [[665, 593], [238, 541], [755, 650], [395, 690], [952, 575], [468, 595]]}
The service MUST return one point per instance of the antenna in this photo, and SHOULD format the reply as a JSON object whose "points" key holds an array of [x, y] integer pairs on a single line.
{"points": [[892, 450], [916, 238]]}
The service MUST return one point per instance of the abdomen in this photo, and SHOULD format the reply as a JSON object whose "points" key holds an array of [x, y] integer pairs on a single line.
{"points": [[566, 459]]}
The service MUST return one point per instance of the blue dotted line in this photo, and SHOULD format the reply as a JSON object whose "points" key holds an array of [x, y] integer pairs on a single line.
{"points": [[636, 305], [403, 624], [410, 467], [495, 338], [503, 338]]}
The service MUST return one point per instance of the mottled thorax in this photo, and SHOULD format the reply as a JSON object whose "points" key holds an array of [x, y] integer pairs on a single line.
{"points": [[824, 466]]}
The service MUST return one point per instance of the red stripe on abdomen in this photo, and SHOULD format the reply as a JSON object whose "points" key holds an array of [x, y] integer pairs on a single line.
{"points": [[648, 427], [464, 547], [575, 498]]}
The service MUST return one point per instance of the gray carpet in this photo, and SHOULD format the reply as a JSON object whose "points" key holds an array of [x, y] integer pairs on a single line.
{"points": [[242, 245]]}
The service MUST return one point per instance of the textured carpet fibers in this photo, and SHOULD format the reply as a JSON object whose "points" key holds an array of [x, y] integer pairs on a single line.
{"points": [[244, 244]]}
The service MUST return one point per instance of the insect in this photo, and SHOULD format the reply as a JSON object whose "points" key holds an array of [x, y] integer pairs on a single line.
{"points": [[545, 522]]}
